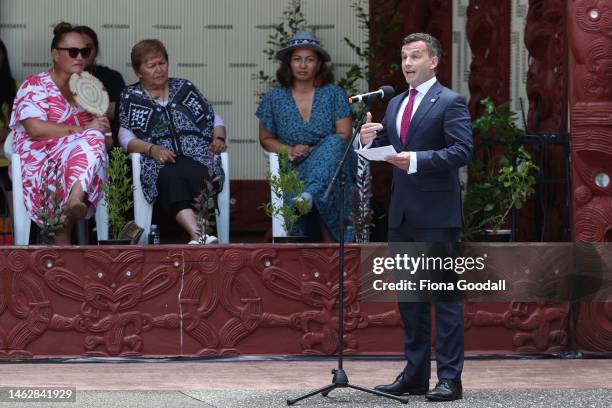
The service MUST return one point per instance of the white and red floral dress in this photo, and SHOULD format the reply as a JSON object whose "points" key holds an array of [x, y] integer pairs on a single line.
{"points": [[81, 156]]}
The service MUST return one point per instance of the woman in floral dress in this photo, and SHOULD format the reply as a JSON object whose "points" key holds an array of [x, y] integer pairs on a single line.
{"points": [[61, 146]]}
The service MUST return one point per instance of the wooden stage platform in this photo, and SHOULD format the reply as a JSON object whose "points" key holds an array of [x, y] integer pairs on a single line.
{"points": [[238, 299]]}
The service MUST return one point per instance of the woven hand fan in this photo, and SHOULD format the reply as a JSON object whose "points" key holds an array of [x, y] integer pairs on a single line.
{"points": [[89, 93]]}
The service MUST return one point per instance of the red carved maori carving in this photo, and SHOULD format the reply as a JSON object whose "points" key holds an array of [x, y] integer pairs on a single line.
{"points": [[318, 288], [429, 16], [535, 327], [593, 327], [590, 65], [230, 300], [3, 300], [532, 327], [546, 41], [488, 33], [591, 56], [199, 297], [433, 17], [547, 83], [590, 103], [24, 297]]}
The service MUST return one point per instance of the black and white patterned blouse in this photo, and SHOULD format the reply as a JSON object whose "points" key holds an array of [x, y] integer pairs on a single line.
{"points": [[184, 126]]}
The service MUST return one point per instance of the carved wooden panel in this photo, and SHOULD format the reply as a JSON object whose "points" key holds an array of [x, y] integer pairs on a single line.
{"points": [[590, 104], [229, 300], [590, 65], [547, 91], [488, 33], [530, 327], [213, 302], [433, 17], [546, 41], [429, 16], [593, 326]]}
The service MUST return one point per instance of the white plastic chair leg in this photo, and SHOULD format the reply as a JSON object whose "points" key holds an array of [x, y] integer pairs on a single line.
{"points": [[223, 200], [21, 218], [102, 219], [278, 230], [143, 211]]}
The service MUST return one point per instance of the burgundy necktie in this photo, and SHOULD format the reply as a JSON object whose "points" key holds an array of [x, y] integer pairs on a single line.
{"points": [[406, 116]]}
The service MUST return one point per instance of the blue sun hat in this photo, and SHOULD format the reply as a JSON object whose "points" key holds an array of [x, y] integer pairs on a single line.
{"points": [[303, 39]]}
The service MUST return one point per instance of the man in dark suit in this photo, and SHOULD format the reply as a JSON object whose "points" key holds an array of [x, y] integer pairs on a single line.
{"points": [[429, 125]]}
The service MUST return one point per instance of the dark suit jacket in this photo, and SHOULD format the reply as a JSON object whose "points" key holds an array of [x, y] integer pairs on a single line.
{"points": [[441, 135]]}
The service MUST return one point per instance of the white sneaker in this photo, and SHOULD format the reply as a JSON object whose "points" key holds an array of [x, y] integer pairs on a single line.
{"points": [[210, 239], [204, 239]]}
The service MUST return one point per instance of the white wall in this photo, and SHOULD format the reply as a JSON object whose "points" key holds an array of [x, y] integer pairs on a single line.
{"points": [[215, 43]]}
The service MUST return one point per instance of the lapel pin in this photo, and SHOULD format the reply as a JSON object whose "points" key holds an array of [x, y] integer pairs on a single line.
{"points": [[433, 100]]}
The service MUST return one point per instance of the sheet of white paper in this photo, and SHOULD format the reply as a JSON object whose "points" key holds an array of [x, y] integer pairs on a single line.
{"points": [[377, 153]]}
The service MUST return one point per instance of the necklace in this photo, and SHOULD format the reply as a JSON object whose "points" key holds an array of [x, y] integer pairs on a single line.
{"points": [[158, 96]]}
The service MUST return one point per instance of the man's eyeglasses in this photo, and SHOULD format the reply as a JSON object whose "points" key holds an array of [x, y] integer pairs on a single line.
{"points": [[73, 52]]}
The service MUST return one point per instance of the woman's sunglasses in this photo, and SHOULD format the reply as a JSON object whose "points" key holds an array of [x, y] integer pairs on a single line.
{"points": [[73, 52]]}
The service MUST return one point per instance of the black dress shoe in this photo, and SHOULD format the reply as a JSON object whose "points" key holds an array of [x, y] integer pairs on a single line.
{"points": [[446, 390], [403, 385]]}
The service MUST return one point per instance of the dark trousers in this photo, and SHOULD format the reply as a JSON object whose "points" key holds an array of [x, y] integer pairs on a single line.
{"points": [[416, 317], [179, 184]]}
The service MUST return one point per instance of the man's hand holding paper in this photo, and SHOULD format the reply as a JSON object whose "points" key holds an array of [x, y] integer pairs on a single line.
{"points": [[377, 153], [400, 160]]}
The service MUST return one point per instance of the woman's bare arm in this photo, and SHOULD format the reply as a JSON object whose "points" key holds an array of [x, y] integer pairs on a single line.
{"points": [[39, 129]]}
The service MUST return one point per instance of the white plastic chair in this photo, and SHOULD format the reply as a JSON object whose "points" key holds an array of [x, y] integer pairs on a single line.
{"points": [[143, 211], [21, 218], [278, 230], [363, 169]]}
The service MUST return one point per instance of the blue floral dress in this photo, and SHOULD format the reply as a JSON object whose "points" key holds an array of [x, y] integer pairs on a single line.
{"points": [[279, 115]]}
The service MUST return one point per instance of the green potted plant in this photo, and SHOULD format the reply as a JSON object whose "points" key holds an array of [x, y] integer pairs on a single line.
{"points": [[500, 177], [119, 201], [287, 185]]}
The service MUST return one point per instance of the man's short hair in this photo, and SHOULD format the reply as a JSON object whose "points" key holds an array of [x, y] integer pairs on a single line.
{"points": [[433, 45]]}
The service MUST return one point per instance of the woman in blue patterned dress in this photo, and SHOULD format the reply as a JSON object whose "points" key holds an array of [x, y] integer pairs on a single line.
{"points": [[172, 125], [310, 115]]}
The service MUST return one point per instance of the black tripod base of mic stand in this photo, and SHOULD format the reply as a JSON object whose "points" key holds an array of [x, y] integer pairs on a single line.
{"points": [[340, 380]]}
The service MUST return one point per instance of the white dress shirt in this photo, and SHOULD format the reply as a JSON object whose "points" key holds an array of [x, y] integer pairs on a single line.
{"points": [[421, 91]]}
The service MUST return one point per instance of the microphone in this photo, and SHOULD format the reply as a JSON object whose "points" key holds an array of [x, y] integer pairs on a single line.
{"points": [[384, 92]]}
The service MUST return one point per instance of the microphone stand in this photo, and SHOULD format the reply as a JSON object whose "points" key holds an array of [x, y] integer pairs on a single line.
{"points": [[340, 379]]}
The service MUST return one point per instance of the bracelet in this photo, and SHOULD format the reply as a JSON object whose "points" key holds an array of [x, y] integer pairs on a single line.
{"points": [[151, 146]]}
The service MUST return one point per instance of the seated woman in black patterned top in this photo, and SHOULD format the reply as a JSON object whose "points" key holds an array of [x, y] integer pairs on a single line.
{"points": [[172, 125]]}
